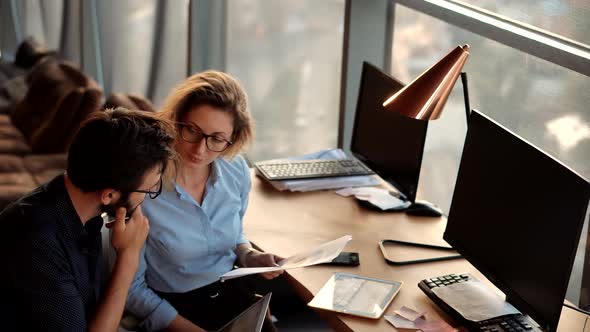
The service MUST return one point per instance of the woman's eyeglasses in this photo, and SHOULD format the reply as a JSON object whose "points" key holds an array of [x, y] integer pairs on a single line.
{"points": [[193, 135]]}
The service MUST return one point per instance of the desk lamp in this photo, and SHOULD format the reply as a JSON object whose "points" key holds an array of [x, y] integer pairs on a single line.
{"points": [[424, 98]]}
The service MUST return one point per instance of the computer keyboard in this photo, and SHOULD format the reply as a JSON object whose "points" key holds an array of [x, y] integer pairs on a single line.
{"points": [[316, 168], [508, 323]]}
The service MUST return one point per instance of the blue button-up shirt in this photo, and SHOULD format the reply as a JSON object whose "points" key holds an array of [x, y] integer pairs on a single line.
{"points": [[190, 245]]}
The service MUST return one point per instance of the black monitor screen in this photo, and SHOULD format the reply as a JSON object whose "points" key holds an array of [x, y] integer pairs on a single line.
{"points": [[517, 215], [390, 144]]}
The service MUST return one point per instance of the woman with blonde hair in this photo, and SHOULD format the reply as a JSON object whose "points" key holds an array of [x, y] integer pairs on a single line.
{"points": [[196, 232]]}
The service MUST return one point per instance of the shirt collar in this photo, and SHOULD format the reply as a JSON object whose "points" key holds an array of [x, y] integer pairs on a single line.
{"points": [[180, 191], [215, 173]]}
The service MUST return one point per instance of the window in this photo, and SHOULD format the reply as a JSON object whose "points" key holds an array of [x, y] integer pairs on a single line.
{"points": [[567, 18], [43, 20], [288, 56], [542, 102], [144, 46]]}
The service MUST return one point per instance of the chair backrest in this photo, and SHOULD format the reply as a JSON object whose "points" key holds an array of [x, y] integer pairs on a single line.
{"points": [[30, 51], [57, 132], [59, 98], [91, 102], [49, 83]]}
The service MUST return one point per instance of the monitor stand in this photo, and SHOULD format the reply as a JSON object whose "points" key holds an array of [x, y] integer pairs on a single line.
{"points": [[424, 209]]}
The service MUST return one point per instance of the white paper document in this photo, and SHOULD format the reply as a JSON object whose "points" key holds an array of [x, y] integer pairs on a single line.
{"points": [[328, 182], [474, 300], [407, 318], [379, 197], [321, 254], [409, 313], [400, 322]]}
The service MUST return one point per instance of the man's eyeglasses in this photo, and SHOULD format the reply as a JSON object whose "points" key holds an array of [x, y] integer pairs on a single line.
{"points": [[193, 135], [151, 193]]}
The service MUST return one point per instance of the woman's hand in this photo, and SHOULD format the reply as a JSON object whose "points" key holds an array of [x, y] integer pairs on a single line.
{"points": [[255, 258]]}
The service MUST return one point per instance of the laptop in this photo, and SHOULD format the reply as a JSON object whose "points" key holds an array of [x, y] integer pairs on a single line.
{"points": [[251, 319]]}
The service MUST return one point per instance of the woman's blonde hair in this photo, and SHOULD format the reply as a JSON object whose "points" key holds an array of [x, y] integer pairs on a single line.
{"points": [[216, 89]]}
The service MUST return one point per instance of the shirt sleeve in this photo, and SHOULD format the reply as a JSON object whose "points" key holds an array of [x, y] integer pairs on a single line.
{"points": [[49, 290], [154, 312], [244, 194]]}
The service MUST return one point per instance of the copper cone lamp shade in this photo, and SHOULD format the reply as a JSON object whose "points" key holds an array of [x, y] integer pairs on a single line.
{"points": [[426, 96]]}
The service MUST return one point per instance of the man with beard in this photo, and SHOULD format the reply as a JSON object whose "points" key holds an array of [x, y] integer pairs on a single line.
{"points": [[50, 244]]}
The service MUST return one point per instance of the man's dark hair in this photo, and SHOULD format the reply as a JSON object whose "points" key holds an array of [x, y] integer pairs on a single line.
{"points": [[115, 149]]}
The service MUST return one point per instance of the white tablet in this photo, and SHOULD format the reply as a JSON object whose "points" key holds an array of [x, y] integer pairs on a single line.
{"points": [[356, 295]]}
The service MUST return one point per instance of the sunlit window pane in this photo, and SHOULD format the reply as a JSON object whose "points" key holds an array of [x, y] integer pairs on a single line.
{"points": [[127, 40], [144, 46], [288, 56], [544, 103], [568, 18]]}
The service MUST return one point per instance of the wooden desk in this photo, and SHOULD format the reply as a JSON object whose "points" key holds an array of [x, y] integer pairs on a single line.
{"points": [[285, 223]]}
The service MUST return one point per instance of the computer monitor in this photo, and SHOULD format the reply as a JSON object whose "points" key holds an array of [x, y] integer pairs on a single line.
{"points": [[388, 143], [517, 215]]}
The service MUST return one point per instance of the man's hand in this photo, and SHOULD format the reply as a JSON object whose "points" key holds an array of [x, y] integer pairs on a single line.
{"points": [[254, 258], [129, 237]]}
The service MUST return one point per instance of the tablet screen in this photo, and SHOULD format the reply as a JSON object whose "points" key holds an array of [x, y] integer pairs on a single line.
{"points": [[356, 295]]}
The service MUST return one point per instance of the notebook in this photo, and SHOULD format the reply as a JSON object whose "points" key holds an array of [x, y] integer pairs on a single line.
{"points": [[251, 319]]}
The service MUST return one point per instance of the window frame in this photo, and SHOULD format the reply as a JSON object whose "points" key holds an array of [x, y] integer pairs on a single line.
{"points": [[380, 15]]}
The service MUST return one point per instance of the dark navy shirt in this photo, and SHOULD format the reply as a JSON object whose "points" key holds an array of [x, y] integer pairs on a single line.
{"points": [[51, 276]]}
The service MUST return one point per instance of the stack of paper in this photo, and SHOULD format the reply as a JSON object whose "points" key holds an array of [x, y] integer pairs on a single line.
{"points": [[325, 183], [474, 301], [321, 254]]}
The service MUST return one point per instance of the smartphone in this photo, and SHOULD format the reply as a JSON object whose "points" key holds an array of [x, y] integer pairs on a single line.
{"points": [[346, 259]]}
